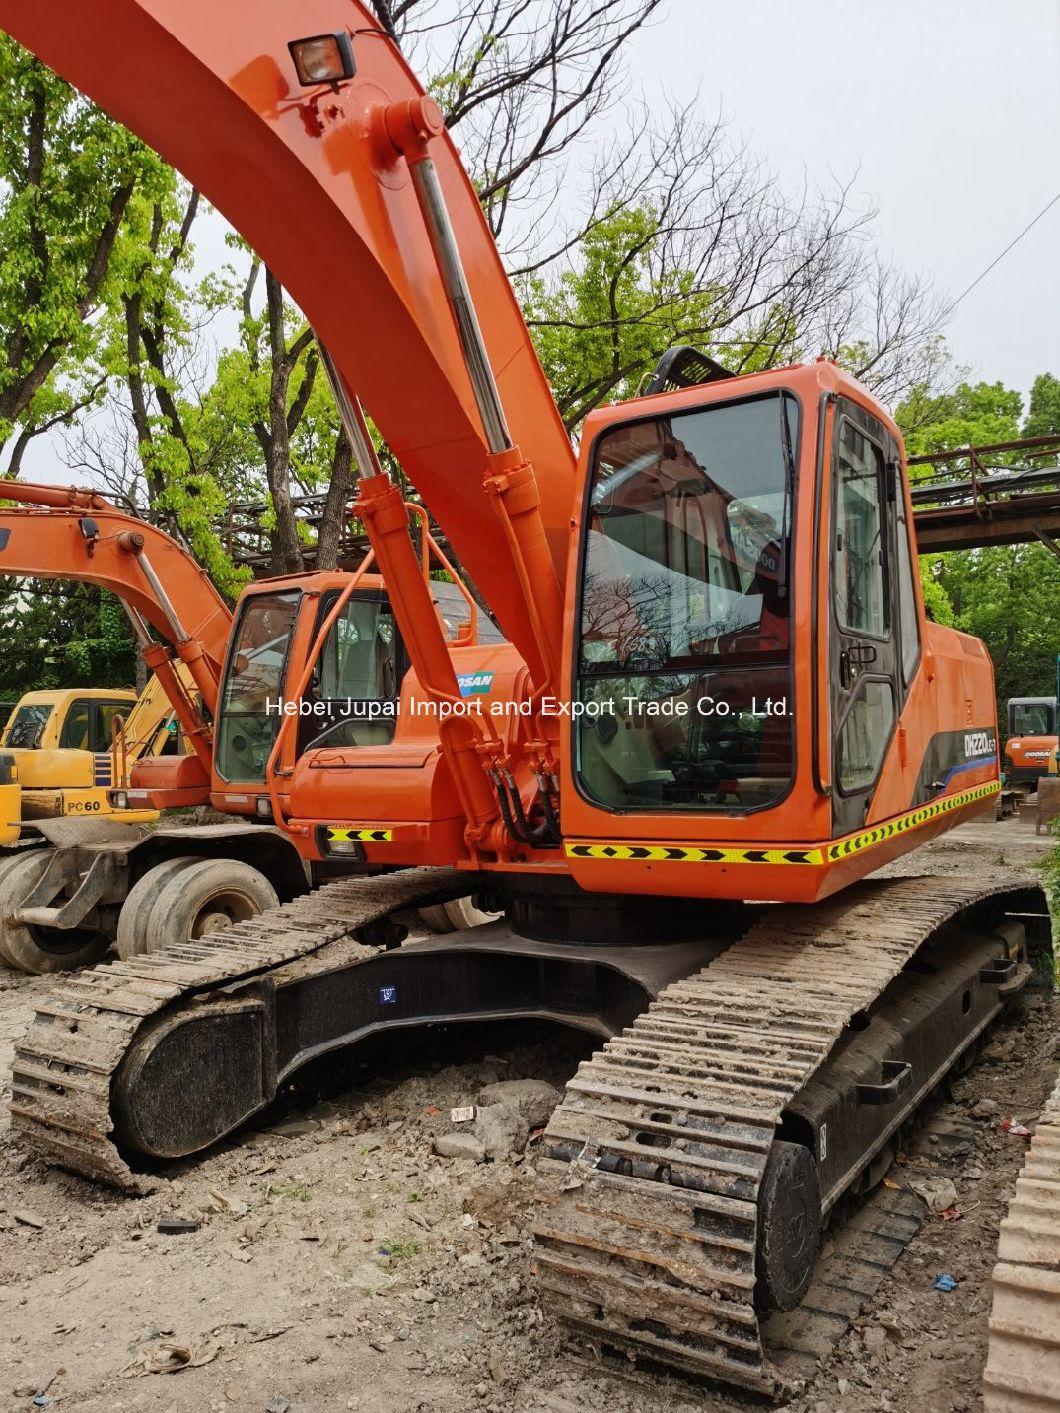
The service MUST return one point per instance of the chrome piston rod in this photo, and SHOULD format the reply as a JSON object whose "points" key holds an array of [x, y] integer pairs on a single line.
{"points": [[447, 253]]}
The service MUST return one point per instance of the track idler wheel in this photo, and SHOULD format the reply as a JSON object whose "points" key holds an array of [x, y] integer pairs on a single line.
{"points": [[789, 1227], [193, 1076]]}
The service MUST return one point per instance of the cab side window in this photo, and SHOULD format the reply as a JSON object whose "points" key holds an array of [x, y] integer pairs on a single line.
{"points": [[860, 565], [76, 734], [107, 712], [908, 622]]}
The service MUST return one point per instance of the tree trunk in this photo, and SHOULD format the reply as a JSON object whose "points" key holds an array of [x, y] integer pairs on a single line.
{"points": [[329, 538], [275, 438]]}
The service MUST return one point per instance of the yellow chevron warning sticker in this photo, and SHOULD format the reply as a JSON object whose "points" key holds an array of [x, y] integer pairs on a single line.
{"points": [[783, 853], [360, 836], [854, 843], [707, 853]]}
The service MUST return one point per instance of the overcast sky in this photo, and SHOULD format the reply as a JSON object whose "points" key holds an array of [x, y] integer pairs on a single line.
{"points": [[947, 111]]}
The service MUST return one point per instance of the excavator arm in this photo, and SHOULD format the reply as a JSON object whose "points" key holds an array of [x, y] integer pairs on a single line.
{"points": [[58, 533], [321, 182]]}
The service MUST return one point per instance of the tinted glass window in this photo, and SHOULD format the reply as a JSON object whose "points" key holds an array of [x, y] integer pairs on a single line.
{"points": [[860, 573], [687, 548], [358, 658], [76, 734], [358, 667], [449, 600], [27, 726], [686, 740], [107, 712], [865, 734], [685, 611], [909, 624], [1027, 719], [255, 677]]}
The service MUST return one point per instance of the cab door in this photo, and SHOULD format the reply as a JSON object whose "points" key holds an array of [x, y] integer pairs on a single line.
{"points": [[863, 655]]}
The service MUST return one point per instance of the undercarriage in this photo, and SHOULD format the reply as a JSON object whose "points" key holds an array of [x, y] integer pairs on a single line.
{"points": [[749, 1080]]}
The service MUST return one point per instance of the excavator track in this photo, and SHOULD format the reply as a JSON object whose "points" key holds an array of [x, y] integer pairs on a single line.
{"points": [[1023, 1355], [647, 1225], [64, 1066]]}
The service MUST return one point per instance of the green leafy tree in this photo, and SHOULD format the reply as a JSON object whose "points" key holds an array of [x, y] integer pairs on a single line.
{"points": [[62, 635], [69, 177], [1043, 411], [1008, 595], [152, 343], [606, 322], [274, 420], [973, 414]]}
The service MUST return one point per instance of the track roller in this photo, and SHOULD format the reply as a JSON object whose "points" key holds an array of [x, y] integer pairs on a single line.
{"points": [[789, 1227]]}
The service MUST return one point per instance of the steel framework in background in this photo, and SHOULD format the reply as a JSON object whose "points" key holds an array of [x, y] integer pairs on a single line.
{"points": [[1003, 494], [247, 537], [1007, 493]]}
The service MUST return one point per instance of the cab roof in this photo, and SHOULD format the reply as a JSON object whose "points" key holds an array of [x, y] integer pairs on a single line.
{"points": [[58, 695]]}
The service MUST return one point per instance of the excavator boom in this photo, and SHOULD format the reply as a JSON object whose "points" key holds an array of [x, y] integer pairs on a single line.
{"points": [[59, 533], [312, 179]]}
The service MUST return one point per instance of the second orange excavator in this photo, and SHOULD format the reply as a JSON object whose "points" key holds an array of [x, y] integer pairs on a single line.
{"points": [[721, 705], [91, 881]]}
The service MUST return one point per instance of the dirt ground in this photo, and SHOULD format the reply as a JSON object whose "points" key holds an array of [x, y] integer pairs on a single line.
{"points": [[341, 1264]]}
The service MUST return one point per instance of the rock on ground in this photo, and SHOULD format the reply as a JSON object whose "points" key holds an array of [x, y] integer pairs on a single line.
{"points": [[501, 1129], [534, 1099]]}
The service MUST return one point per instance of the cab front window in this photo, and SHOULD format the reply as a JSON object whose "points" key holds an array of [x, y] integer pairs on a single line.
{"points": [[684, 645], [26, 727], [1031, 719], [250, 710]]}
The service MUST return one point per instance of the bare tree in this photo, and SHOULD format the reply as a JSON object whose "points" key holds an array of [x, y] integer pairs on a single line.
{"points": [[686, 237], [520, 82], [887, 328]]}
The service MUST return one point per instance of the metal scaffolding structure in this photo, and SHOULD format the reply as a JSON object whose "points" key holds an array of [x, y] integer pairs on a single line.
{"points": [[1006, 493], [968, 498]]}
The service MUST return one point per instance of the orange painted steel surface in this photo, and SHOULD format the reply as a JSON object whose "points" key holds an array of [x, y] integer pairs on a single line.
{"points": [[1029, 755], [408, 785], [46, 541], [313, 182]]}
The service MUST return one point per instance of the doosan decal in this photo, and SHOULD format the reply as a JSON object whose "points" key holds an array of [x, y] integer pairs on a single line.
{"points": [[474, 684]]}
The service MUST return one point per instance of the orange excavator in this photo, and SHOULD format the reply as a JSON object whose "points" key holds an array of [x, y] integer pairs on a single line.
{"points": [[720, 707], [1031, 740], [93, 882]]}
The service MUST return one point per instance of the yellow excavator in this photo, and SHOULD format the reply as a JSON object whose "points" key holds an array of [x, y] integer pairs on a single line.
{"points": [[71, 746]]}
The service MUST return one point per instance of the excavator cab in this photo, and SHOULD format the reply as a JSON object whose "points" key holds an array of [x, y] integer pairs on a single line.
{"points": [[755, 685], [351, 692], [336, 669], [1032, 739]]}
